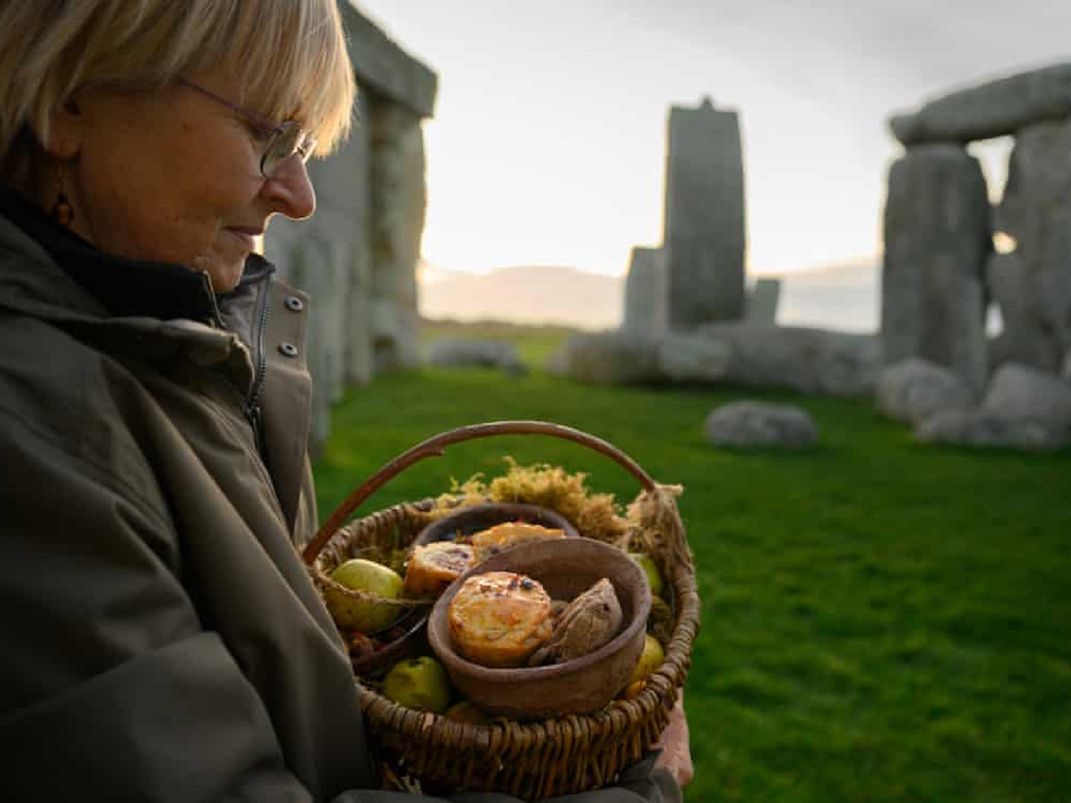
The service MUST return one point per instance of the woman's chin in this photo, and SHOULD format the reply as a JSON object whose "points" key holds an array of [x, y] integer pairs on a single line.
{"points": [[224, 272]]}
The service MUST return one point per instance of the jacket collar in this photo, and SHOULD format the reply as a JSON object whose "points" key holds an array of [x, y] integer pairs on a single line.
{"points": [[126, 287]]}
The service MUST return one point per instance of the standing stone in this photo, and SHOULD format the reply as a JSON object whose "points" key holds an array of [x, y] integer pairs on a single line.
{"points": [[704, 217], [645, 292], [762, 301], [937, 240], [1036, 212], [399, 201], [1022, 338]]}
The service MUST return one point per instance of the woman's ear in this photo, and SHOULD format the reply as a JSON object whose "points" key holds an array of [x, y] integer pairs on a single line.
{"points": [[65, 130]]}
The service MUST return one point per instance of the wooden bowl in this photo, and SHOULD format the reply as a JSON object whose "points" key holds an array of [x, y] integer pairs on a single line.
{"points": [[469, 520], [565, 567]]}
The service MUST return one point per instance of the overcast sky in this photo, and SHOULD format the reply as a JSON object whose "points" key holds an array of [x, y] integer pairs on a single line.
{"points": [[547, 147]]}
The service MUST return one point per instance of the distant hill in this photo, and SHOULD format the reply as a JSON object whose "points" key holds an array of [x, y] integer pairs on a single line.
{"points": [[528, 294], [842, 296]]}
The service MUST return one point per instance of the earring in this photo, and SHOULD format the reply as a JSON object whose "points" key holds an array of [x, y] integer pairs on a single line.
{"points": [[62, 211]]}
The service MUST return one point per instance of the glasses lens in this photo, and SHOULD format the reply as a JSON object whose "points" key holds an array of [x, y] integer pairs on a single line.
{"points": [[288, 140]]}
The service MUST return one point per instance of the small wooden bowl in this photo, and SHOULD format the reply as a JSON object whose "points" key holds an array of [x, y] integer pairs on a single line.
{"points": [[566, 568], [472, 519]]}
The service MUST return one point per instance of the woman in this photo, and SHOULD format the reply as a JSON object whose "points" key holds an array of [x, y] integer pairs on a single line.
{"points": [[161, 639]]}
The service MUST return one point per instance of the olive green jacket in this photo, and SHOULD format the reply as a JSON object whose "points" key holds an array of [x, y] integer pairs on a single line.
{"points": [[160, 638]]}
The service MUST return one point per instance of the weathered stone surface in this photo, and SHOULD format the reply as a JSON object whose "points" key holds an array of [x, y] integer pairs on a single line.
{"points": [[762, 301], [980, 428], [397, 221], [328, 256], [386, 68], [937, 239], [1022, 339], [1066, 373], [457, 352], [704, 217], [751, 424], [692, 358], [991, 110], [1036, 211], [1019, 392], [645, 292], [799, 358], [608, 358], [913, 390]]}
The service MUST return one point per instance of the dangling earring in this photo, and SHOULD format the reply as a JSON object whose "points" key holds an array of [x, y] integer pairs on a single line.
{"points": [[62, 211]]}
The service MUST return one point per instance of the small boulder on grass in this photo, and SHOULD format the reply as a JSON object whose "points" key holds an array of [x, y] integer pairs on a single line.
{"points": [[759, 425]]}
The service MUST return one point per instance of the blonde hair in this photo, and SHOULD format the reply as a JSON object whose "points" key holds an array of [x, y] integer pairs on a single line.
{"points": [[288, 55]]}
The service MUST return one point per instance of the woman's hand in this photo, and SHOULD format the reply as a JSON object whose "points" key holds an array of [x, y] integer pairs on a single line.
{"points": [[676, 751]]}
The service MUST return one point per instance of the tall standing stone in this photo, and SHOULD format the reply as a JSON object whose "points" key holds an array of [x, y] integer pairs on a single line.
{"points": [[1036, 212], [645, 292], [357, 256], [704, 217], [399, 200], [937, 239]]}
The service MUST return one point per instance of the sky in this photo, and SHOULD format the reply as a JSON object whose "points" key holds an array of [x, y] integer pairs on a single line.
{"points": [[548, 142]]}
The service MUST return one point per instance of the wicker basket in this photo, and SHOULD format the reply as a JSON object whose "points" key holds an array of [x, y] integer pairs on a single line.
{"points": [[528, 760]]}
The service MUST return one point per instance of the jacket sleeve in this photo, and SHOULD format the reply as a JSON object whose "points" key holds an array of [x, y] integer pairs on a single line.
{"points": [[112, 688]]}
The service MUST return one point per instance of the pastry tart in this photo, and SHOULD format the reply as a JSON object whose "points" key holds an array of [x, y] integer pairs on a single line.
{"points": [[432, 567], [494, 539], [499, 619]]}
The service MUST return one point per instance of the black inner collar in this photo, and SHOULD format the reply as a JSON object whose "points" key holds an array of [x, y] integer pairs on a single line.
{"points": [[126, 287]]}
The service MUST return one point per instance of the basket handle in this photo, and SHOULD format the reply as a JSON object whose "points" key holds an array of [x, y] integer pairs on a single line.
{"points": [[435, 447]]}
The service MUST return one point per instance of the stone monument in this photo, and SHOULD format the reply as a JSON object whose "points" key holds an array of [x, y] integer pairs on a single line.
{"points": [[357, 256], [645, 292], [937, 239], [703, 238]]}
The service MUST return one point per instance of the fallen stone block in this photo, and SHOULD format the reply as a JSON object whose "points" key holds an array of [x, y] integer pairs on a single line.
{"points": [[1021, 393], [983, 429], [451, 352], [690, 358], [912, 390]]}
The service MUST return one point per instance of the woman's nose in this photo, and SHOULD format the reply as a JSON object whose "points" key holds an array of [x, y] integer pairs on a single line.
{"points": [[290, 190]]}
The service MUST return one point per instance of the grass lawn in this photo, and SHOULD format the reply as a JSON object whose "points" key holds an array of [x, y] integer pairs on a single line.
{"points": [[882, 621]]}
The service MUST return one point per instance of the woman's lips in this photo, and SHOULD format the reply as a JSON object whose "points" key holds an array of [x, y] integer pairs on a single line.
{"points": [[246, 236]]}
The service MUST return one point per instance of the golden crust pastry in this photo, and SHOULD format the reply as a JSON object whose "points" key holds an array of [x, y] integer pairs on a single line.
{"points": [[495, 539], [432, 567], [499, 618]]}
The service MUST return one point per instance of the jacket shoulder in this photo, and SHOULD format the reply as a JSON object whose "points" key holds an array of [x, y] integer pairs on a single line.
{"points": [[55, 388]]}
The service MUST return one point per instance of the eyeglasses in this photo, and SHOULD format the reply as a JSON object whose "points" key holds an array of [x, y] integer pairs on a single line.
{"points": [[284, 139]]}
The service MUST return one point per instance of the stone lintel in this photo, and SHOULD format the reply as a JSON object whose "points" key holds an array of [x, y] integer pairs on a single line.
{"points": [[382, 66], [993, 109]]}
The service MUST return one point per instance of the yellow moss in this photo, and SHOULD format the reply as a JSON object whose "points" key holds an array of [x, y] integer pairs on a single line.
{"points": [[596, 515]]}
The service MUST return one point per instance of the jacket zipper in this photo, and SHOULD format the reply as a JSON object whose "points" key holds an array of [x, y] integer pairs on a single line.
{"points": [[251, 409], [252, 404]]}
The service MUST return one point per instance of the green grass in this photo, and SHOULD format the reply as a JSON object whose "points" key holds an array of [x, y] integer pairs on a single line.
{"points": [[882, 621]]}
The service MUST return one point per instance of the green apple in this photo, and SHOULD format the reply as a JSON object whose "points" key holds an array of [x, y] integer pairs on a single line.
{"points": [[369, 577], [650, 568], [650, 659], [418, 683]]}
